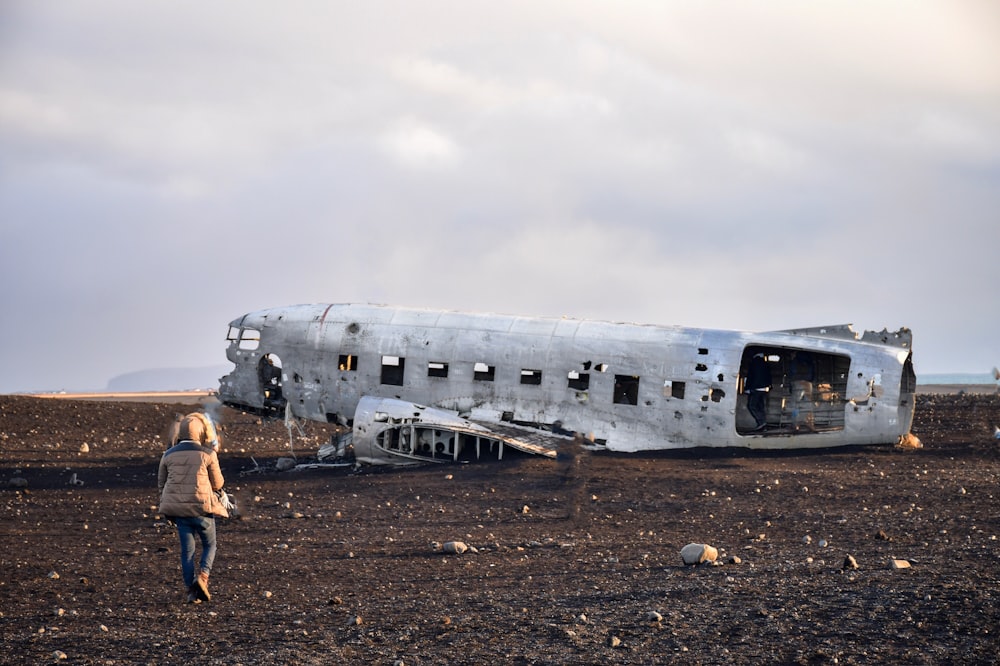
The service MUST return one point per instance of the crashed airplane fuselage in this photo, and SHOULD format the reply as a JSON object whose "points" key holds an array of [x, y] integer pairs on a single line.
{"points": [[625, 387]]}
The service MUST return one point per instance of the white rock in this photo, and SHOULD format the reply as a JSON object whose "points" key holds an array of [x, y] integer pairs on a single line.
{"points": [[696, 553], [85, 448], [899, 564], [653, 616], [454, 547]]}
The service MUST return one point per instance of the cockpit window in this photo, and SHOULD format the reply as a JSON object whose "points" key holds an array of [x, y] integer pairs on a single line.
{"points": [[247, 339]]}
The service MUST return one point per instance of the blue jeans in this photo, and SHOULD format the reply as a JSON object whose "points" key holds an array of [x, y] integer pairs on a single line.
{"points": [[187, 528]]}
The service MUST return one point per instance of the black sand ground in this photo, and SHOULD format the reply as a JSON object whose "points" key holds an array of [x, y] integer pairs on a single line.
{"points": [[332, 566]]}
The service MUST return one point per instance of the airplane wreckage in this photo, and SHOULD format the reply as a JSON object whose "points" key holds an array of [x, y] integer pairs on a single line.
{"points": [[419, 386]]}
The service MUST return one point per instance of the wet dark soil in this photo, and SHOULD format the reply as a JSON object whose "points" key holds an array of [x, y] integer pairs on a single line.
{"points": [[343, 566]]}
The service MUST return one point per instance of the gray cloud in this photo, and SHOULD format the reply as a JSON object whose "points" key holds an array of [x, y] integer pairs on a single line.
{"points": [[165, 167]]}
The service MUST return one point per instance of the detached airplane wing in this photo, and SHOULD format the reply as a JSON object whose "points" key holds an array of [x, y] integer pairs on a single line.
{"points": [[388, 431]]}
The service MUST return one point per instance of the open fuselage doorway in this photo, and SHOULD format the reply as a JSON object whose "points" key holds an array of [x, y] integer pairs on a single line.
{"points": [[269, 378], [804, 391]]}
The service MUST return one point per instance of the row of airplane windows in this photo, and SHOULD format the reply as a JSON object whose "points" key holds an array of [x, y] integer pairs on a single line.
{"points": [[626, 387]]}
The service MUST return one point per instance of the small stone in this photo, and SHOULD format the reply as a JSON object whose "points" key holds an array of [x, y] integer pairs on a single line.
{"points": [[614, 641], [59, 655], [284, 464], [850, 562], [267, 594], [735, 559], [653, 616], [354, 621], [84, 448], [53, 575], [899, 564], [525, 509], [807, 539]]}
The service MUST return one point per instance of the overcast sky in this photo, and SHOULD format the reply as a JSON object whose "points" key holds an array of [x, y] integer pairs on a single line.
{"points": [[168, 166]]}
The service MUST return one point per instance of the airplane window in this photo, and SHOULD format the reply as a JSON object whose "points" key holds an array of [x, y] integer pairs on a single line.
{"points": [[484, 372], [626, 390], [672, 389], [436, 369], [249, 339], [579, 381], [533, 377], [392, 370], [348, 362]]}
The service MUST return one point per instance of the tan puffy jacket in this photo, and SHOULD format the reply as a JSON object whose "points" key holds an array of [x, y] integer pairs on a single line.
{"points": [[188, 476]]}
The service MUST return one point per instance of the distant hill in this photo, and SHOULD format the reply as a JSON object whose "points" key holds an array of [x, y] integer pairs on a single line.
{"points": [[169, 379]]}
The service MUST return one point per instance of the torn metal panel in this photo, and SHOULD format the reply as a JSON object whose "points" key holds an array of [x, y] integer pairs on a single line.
{"points": [[391, 431], [627, 387]]}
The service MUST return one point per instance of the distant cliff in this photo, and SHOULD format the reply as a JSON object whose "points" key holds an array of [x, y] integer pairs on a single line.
{"points": [[169, 379]]}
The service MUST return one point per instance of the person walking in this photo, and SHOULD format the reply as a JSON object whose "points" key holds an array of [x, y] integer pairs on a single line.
{"points": [[189, 479]]}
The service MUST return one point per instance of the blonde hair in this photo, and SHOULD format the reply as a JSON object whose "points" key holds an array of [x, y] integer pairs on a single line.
{"points": [[195, 427]]}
